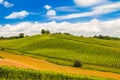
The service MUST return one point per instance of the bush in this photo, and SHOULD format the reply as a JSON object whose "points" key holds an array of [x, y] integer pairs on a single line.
{"points": [[2, 49], [77, 63], [1, 57]]}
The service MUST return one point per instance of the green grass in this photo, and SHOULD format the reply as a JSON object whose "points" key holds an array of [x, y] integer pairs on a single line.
{"points": [[12, 73], [64, 49]]}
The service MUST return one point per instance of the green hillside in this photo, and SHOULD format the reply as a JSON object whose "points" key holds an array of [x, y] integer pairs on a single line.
{"points": [[64, 49]]}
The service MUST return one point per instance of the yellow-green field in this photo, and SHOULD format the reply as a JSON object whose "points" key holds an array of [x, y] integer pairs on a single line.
{"points": [[29, 62]]}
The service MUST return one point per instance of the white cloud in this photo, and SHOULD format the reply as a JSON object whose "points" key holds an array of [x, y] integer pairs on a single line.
{"points": [[93, 27], [108, 8], [99, 10], [67, 9], [47, 7], [17, 15], [51, 13], [1, 1], [87, 3], [7, 4]]}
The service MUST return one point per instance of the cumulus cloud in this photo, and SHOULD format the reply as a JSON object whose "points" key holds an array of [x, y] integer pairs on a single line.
{"points": [[48, 7], [87, 3], [17, 15], [99, 10], [1, 1], [51, 13], [93, 27], [6, 4]]}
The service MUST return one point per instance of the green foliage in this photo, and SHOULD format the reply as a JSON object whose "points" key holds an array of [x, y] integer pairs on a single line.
{"points": [[77, 63], [107, 37], [11, 73], [57, 33], [21, 35], [2, 48], [45, 31], [67, 33], [1, 37]]}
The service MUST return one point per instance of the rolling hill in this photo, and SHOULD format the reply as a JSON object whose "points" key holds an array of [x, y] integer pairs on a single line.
{"points": [[65, 49]]}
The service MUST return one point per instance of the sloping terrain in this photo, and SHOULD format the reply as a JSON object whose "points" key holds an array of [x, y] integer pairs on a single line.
{"points": [[43, 65], [8, 62], [68, 48]]}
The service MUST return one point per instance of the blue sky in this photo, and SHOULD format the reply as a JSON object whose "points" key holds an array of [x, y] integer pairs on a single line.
{"points": [[73, 12], [38, 12], [32, 6]]}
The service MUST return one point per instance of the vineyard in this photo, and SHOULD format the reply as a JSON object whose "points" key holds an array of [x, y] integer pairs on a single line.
{"points": [[12, 73], [60, 40], [65, 49]]}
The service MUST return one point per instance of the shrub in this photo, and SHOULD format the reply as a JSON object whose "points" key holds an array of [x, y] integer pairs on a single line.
{"points": [[77, 63], [2, 49], [1, 57]]}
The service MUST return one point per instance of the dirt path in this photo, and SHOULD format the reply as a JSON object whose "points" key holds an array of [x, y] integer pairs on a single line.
{"points": [[47, 66]]}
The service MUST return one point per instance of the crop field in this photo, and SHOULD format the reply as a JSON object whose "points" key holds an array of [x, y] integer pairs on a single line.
{"points": [[60, 40], [11, 73], [65, 47], [22, 61], [96, 54]]}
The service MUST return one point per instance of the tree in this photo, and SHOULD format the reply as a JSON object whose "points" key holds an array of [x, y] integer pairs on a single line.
{"points": [[47, 32], [1, 37], [67, 33], [21, 35], [43, 31]]}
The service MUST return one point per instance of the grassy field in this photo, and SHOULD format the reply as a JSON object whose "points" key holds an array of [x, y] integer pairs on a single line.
{"points": [[11, 73], [64, 49]]}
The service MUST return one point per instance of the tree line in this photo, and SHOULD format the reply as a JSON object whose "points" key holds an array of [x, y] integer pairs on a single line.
{"points": [[43, 31], [21, 35], [106, 37]]}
